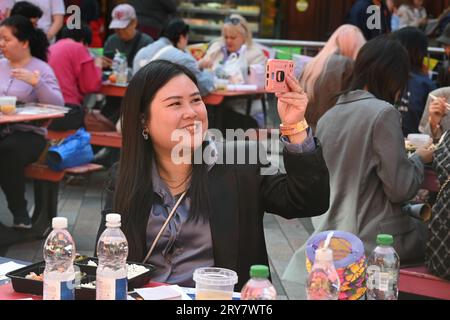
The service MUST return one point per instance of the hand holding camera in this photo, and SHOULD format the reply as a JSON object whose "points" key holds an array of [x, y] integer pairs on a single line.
{"points": [[292, 103]]}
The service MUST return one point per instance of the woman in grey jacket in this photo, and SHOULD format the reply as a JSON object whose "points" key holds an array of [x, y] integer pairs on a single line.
{"points": [[370, 174]]}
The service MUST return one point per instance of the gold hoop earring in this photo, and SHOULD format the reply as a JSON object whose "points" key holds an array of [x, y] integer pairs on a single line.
{"points": [[145, 133]]}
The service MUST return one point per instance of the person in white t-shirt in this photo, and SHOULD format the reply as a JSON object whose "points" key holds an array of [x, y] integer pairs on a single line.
{"points": [[5, 8], [53, 18]]}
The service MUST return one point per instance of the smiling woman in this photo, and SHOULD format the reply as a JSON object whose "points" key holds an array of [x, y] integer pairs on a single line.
{"points": [[219, 220]]}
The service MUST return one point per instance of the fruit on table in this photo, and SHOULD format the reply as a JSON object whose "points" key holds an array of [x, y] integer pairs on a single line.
{"points": [[112, 77]]}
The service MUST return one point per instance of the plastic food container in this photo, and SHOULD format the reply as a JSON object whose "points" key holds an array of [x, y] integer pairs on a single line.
{"points": [[214, 283], [8, 104], [85, 285], [89, 265], [419, 140]]}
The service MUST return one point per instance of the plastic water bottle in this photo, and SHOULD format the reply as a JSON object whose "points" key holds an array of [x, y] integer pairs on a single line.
{"points": [[116, 62], [383, 270], [59, 254], [122, 71], [323, 280], [259, 286], [112, 251]]}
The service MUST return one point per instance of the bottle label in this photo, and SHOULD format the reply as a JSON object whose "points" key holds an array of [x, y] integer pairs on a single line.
{"points": [[59, 290], [111, 288], [372, 277], [383, 280]]}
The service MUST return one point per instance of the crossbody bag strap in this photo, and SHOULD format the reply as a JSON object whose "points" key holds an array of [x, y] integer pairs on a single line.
{"points": [[175, 207]]}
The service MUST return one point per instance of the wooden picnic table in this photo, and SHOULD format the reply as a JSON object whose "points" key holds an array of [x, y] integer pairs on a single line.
{"points": [[113, 90], [32, 112], [214, 98]]}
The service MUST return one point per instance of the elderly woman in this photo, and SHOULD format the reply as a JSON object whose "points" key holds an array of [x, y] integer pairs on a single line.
{"points": [[25, 74], [329, 73], [235, 33], [236, 38]]}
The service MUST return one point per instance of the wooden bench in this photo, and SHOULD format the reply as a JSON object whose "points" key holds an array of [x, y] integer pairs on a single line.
{"points": [[419, 281], [105, 139], [46, 190]]}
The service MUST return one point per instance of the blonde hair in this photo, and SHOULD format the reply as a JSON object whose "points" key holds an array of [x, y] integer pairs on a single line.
{"points": [[243, 27], [347, 40]]}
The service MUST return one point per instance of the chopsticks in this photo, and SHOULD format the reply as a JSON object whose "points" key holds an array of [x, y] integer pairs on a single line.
{"points": [[447, 105]]}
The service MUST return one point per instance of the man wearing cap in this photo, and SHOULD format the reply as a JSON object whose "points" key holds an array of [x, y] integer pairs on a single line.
{"points": [[127, 39], [443, 78]]}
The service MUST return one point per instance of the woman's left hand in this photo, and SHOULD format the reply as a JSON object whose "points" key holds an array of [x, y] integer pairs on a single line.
{"points": [[27, 76], [292, 105]]}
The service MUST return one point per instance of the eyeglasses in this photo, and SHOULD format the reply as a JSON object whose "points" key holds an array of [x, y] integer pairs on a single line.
{"points": [[235, 22]]}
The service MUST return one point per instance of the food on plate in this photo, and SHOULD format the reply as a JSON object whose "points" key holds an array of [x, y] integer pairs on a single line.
{"points": [[134, 270], [89, 285], [40, 277]]}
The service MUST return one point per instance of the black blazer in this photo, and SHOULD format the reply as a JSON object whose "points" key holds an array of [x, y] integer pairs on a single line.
{"points": [[239, 196]]}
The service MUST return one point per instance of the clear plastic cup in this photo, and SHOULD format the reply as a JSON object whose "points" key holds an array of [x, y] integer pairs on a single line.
{"points": [[8, 104], [419, 140], [214, 283]]}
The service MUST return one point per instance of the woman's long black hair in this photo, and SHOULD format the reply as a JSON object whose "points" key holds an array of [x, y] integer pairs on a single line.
{"points": [[416, 43], [382, 67], [23, 30], [133, 195]]}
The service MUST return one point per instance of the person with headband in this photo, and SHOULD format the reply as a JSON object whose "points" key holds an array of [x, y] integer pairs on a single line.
{"points": [[236, 38], [235, 33]]}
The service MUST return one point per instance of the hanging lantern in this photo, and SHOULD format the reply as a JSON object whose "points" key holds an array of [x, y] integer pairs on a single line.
{"points": [[302, 5]]}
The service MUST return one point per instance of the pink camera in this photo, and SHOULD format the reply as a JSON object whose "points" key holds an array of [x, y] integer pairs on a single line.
{"points": [[276, 73]]}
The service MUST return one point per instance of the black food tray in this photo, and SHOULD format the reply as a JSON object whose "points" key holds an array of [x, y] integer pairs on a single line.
{"points": [[136, 282]]}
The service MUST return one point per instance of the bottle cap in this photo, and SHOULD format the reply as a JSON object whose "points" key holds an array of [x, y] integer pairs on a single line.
{"points": [[324, 254], [113, 220], [385, 239], [59, 223], [259, 271]]}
